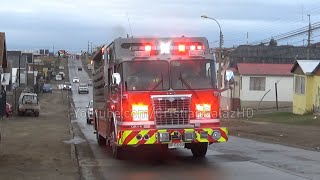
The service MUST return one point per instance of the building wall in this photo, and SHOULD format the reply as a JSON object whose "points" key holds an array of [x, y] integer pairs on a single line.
{"points": [[252, 98], [303, 103]]}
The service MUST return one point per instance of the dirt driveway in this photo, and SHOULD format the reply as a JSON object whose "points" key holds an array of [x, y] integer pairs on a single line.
{"points": [[33, 148]]}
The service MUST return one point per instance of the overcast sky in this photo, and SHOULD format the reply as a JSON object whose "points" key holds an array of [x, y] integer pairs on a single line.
{"points": [[70, 24]]}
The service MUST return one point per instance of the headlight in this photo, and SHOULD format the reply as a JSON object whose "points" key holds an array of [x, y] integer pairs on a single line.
{"points": [[140, 113], [203, 111]]}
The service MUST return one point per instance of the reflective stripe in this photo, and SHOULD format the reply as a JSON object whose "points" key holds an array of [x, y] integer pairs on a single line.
{"points": [[205, 121], [135, 123]]}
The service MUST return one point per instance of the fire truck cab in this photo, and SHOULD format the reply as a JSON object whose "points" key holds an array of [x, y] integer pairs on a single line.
{"points": [[156, 91]]}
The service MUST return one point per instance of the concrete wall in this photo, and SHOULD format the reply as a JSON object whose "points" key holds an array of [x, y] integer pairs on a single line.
{"points": [[285, 89]]}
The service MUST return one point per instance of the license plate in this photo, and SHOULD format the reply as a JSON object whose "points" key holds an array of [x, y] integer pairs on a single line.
{"points": [[176, 145]]}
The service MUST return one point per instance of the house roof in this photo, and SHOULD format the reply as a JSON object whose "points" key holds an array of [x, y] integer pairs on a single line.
{"points": [[264, 69], [308, 66]]}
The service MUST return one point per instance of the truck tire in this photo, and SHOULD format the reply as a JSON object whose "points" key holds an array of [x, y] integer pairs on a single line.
{"points": [[20, 113], [101, 140], [115, 149], [199, 150], [36, 114], [88, 120]]}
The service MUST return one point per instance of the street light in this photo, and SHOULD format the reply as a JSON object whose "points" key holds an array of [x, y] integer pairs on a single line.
{"points": [[220, 49]]}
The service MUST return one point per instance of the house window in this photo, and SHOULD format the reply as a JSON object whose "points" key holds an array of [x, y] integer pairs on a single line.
{"points": [[299, 85], [257, 83]]}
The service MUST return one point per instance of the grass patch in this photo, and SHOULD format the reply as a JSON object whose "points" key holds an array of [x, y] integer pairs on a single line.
{"points": [[288, 118]]}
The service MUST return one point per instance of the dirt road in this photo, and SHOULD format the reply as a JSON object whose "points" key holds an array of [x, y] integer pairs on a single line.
{"points": [[34, 148]]}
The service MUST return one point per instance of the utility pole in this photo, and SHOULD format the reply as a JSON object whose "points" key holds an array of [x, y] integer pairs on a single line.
{"points": [[309, 38], [19, 68], [88, 48], [53, 50], [91, 48], [247, 38]]}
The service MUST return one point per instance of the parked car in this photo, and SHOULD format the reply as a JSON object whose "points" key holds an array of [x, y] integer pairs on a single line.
{"points": [[61, 67], [29, 103], [9, 109], [75, 80], [62, 75], [47, 88], [83, 88], [67, 86], [58, 77], [90, 82], [79, 68], [89, 112]]}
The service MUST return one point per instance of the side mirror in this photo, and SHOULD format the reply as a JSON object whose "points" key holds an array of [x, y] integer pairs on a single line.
{"points": [[229, 76], [228, 79], [116, 78]]}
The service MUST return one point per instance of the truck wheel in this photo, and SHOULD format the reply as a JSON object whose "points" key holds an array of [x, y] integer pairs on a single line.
{"points": [[36, 114], [101, 140], [20, 113], [88, 121], [116, 150], [199, 149]]}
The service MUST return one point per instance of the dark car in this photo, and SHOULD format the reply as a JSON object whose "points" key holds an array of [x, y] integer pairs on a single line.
{"points": [[79, 68], [47, 88]]}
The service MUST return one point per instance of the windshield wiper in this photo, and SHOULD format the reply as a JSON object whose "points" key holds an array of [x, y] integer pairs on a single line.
{"points": [[160, 82], [187, 85]]}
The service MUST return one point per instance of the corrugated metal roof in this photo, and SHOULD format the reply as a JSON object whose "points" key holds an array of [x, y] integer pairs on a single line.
{"points": [[308, 66]]}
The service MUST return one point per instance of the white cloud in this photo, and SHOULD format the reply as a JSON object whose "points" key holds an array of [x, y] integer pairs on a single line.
{"points": [[101, 20]]}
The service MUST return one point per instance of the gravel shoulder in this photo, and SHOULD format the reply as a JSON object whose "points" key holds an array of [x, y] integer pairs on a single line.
{"points": [[33, 147]]}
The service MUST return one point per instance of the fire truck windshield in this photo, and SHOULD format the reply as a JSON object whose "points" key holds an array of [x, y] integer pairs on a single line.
{"points": [[146, 75], [193, 73]]}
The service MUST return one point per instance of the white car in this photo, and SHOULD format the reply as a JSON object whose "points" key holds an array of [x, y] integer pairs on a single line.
{"points": [[89, 112], [58, 77], [76, 80], [61, 67]]}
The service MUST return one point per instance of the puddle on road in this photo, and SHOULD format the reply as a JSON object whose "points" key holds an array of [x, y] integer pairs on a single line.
{"points": [[75, 140]]}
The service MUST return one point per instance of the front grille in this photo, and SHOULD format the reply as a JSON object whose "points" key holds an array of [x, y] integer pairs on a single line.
{"points": [[171, 110]]}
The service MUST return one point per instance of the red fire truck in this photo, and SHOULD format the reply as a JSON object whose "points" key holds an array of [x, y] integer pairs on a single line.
{"points": [[156, 92]]}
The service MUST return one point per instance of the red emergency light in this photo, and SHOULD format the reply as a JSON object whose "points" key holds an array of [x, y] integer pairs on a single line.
{"points": [[192, 48], [182, 48], [147, 48]]}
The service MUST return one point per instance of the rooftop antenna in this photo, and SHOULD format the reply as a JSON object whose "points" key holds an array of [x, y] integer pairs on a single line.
{"points": [[129, 25]]}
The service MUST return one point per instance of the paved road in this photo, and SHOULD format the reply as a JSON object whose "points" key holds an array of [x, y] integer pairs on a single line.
{"points": [[238, 159]]}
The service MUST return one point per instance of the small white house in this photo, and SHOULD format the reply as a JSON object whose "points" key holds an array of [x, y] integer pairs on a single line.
{"points": [[255, 86]]}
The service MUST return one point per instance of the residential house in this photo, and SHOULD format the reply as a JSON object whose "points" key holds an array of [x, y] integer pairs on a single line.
{"points": [[14, 58], [255, 86], [306, 86]]}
